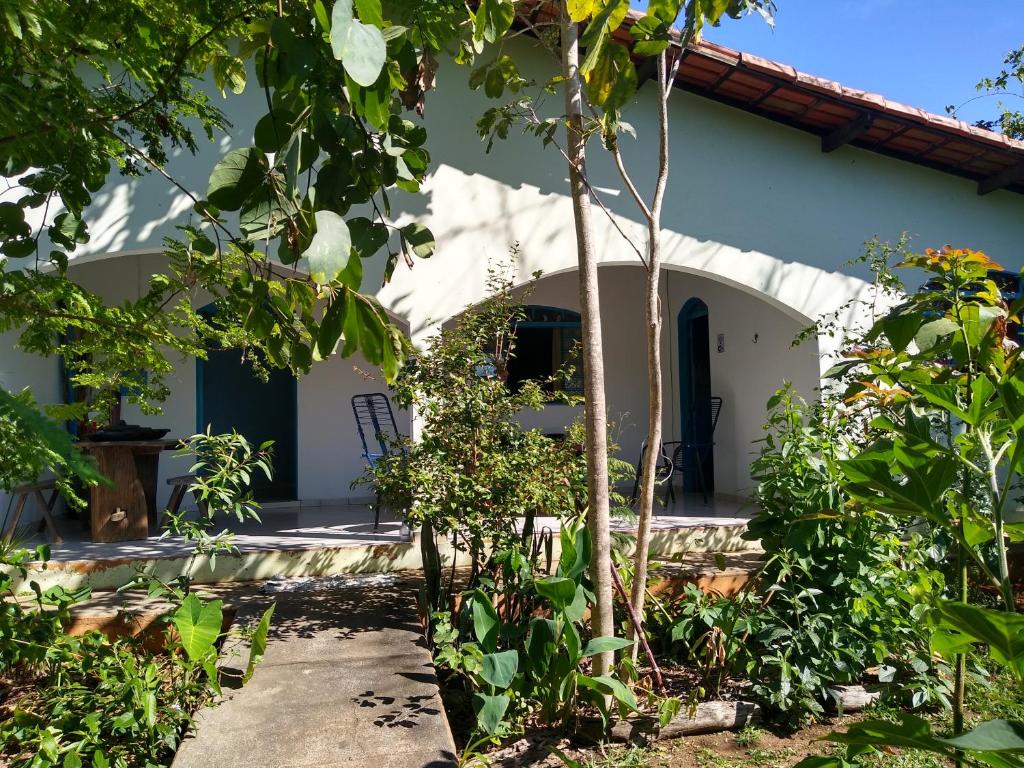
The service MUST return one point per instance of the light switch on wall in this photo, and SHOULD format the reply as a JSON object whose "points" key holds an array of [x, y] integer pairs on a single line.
{"points": [[721, 342]]}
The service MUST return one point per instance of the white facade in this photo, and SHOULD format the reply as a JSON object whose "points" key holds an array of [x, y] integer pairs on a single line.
{"points": [[759, 224]]}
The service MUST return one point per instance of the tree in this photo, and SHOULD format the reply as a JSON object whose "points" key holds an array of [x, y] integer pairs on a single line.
{"points": [[1009, 82], [595, 417], [611, 83], [88, 88], [612, 80]]}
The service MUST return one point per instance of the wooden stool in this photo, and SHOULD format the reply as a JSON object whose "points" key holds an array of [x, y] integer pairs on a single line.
{"points": [[181, 485], [35, 490]]}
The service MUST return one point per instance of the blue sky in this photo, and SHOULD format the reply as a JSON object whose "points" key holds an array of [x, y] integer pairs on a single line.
{"points": [[927, 53]]}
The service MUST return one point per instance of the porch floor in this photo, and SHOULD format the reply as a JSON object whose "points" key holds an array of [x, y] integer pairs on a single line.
{"points": [[293, 526], [322, 540]]}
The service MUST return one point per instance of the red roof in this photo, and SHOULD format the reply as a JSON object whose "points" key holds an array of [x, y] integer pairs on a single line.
{"points": [[843, 115]]}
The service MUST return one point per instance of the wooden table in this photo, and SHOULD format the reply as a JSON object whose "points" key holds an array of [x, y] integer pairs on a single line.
{"points": [[125, 509]]}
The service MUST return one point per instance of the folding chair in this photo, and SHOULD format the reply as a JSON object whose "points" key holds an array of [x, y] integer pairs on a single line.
{"points": [[377, 430]]}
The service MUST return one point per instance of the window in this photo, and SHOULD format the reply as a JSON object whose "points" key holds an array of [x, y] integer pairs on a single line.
{"points": [[546, 340]]}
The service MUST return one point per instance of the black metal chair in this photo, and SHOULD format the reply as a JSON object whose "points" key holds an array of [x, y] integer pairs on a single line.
{"points": [[686, 454], [378, 432], [691, 454], [662, 474]]}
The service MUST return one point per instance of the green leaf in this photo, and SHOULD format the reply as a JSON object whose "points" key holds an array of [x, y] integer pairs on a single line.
{"points": [[485, 621], [931, 333], [490, 711], [900, 329], [908, 732], [331, 247], [540, 645], [1002, 632], [369, 11], [492, 20], [198, 624], [580, 10], [604, 644], [498, 669], [367, 237], [559, 590], [360, 47], [612, 686], [577, 609], [596, 34], [236, 177], [258, 643], [991, 736], [273, 130], [612, 81], [331, 326], [372, 102], [665, 10], [420, 239]]}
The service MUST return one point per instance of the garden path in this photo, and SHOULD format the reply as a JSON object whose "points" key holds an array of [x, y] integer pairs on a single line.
{"points": [[346, 681]]}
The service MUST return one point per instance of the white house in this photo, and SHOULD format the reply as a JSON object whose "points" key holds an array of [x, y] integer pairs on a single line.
{"points": [[777, 180]]}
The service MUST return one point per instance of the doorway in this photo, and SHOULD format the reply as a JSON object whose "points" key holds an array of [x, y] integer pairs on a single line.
{"points": [[695, 394], [229, 396]]}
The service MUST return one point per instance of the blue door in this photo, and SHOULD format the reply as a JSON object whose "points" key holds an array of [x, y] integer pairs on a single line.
{"points": [[229, 396], [695, 393]]}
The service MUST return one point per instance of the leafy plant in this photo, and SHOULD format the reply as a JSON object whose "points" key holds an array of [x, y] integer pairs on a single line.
{"points": [[514, 668], [942, 391], [474, 473], [96, 701]]}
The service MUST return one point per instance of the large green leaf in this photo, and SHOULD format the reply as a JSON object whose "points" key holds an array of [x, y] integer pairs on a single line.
{"points": [[419, 239], [559, 590], [540, 645], [498, 669], [198, 624], [360, 47], [991, 736], [1003, 632], [580, 10], [611, 81], [611, 686], [331, 247], [596, 35], [236, 177], [908, 732], [492, 20], [258, 643], [367, 236], [485, 621], [603, 644], [490, 710]]}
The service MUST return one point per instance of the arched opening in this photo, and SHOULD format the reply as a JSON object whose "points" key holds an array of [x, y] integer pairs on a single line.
{"points": [[230, 396], [695, 395]]}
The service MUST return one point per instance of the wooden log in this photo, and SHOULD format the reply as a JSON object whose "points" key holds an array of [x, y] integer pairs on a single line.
{"points": [[852, 698], [709, 717]]}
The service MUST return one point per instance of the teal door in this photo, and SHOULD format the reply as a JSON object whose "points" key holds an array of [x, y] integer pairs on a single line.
{"points": [[695, 393], [229, 396]]}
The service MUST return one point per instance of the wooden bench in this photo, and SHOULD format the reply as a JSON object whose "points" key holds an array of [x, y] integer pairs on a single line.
{"points": [[21, 497]]}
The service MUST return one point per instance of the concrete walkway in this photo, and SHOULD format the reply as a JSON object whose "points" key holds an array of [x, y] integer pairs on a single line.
{"points": [[346, 682]]}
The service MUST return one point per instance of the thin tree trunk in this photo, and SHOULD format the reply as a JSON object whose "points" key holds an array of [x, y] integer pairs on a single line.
{"points": [[602, 619], [652, 317]]}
